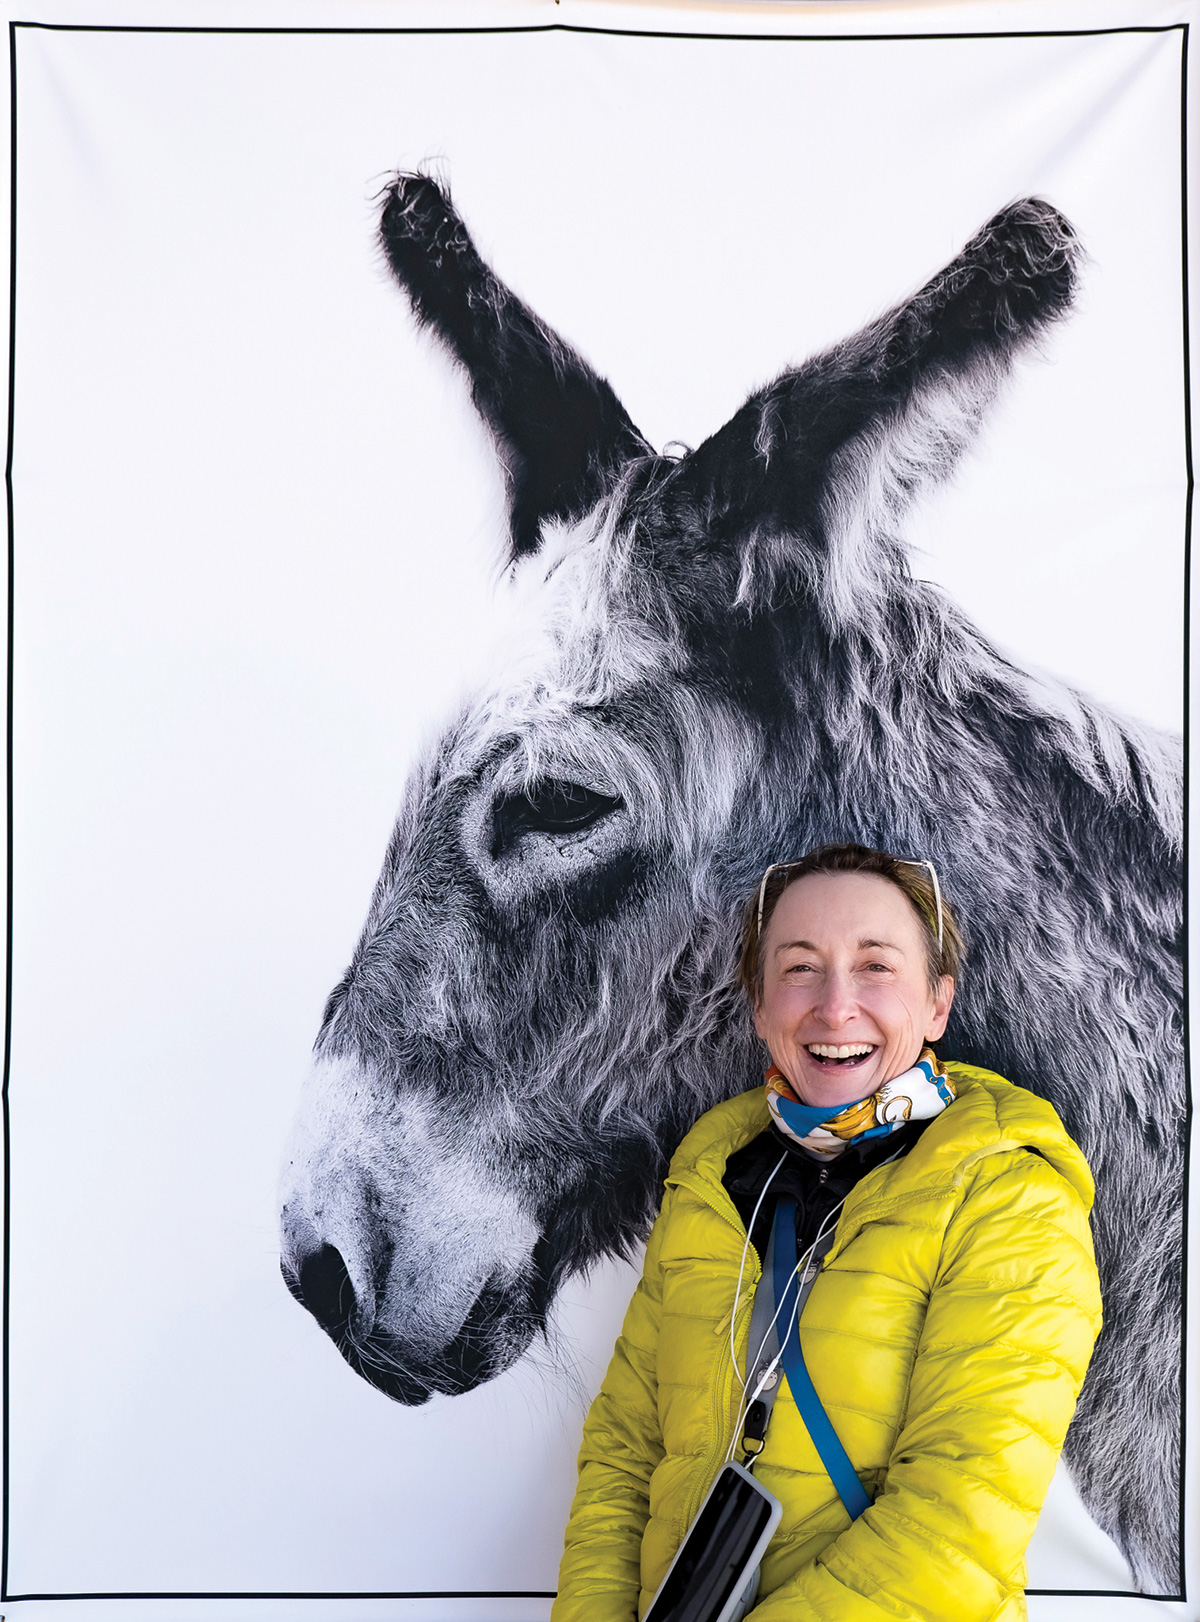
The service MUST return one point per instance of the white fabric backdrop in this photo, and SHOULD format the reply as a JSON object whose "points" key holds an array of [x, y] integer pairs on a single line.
{"points": [[256, 532]]}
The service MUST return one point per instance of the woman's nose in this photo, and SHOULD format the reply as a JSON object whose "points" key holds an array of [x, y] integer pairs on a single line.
{"points": [[837, 1004]]}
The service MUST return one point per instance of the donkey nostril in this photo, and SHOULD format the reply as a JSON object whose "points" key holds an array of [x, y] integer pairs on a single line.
{"points": [[326, 1290]]}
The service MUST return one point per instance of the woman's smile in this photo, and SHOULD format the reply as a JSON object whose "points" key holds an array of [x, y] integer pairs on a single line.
{"points": [[844, 1057]]}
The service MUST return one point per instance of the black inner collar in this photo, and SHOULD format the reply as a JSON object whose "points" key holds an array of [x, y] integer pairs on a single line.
{"points": [[815, 1185]]}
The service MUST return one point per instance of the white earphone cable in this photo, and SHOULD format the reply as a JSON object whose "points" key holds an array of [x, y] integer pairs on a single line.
{"points": [[737, 1294]]}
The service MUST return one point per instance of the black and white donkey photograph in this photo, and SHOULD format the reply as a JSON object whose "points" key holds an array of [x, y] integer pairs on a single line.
{"points": [[738, 663], [460, 542]]}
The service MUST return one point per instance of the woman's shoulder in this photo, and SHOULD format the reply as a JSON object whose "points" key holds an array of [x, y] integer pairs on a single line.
{"points": [[991, 1116], [720, 1132]]}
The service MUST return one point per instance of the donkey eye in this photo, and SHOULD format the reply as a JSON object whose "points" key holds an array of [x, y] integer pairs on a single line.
{"points": [[550, 807]]}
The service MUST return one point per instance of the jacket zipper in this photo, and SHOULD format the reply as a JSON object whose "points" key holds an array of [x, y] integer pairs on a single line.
{"points": [[726, 1211], [724, 1411]]}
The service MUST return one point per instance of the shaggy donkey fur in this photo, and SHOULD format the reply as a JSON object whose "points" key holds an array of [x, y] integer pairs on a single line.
{"points": [[728, 662]]}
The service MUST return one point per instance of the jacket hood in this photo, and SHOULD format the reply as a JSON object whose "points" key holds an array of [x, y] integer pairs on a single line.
{"points": [[988, 1116]]}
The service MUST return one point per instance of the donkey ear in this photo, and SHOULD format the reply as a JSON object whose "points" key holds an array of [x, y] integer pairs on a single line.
{"points": [[831, 453], [561, 431]]}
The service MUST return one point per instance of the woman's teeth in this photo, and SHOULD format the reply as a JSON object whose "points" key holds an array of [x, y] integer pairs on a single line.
{"points": [[851, 1050]]}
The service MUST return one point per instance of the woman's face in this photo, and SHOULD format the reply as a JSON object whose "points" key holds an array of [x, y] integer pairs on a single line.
{"points": [[846, 1003]]}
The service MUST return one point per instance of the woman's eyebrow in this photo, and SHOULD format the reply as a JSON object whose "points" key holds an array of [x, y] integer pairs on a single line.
{"points": [[876, 946]]}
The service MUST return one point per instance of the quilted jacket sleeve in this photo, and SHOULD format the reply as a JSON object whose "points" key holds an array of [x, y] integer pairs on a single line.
{"points": [[599, 1578], [1013, 1314]]}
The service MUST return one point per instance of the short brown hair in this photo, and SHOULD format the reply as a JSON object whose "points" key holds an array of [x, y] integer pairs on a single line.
{"points": [[912, 879]]}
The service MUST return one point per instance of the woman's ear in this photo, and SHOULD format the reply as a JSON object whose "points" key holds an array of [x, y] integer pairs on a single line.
{"points": [[757, 1006], [942, 1000]]}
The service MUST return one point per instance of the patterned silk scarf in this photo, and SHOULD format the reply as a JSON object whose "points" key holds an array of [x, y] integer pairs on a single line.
{"points": [[917, 1095]]}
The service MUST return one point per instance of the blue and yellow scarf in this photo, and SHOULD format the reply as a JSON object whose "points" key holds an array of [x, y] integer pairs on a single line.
{"points": [[917, 1095]]}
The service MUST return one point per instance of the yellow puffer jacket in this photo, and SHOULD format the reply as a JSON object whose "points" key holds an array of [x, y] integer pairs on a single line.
{"points": [[947, 1334]]}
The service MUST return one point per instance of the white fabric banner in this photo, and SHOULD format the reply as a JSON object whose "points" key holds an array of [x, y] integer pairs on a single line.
{"points": [[265, 594]]}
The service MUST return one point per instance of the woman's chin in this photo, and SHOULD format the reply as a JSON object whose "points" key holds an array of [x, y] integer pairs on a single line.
{"points": [[838, 1084]]}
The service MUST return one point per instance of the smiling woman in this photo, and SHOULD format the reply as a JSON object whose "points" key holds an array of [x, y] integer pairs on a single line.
{"points": [[946, 1306]]}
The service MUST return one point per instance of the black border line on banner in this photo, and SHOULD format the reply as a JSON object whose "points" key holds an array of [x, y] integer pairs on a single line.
{"points": [[608, 33], [338, 1593], [1183, 29], [1189, 1106], [8, 798]]}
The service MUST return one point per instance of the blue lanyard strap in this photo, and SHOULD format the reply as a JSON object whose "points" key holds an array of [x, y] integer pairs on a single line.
{"points": [[812, 1411]]}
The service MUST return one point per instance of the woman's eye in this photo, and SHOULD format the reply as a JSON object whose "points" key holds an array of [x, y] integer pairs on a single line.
{"points": [[552, 806]]}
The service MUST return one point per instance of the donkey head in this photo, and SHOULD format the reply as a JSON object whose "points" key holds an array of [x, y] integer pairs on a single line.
{"points": [[541, 1000]]}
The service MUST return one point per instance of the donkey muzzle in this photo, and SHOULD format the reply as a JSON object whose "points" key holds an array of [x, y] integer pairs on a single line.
{"points": [[495, 1331], [415, 1255]]}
